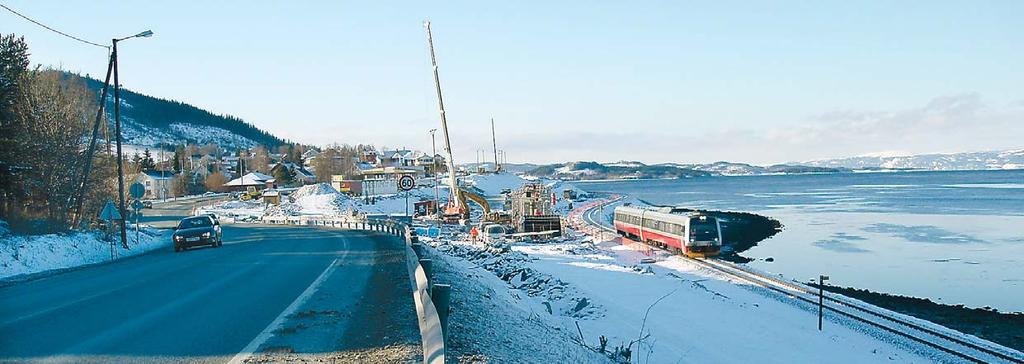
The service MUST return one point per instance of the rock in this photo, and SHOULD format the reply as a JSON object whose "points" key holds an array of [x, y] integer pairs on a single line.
{"points": [[583, 303]]}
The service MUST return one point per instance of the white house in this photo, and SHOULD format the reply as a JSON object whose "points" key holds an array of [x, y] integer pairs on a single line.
{"points": [[158, 183], [254, 179]]}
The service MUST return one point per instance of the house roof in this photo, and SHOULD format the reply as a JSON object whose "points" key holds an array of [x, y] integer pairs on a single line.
{"points": [[251, 179]]}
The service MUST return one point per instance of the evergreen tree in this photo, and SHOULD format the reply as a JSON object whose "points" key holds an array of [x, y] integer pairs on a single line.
{"points": [[147, 163], [284, 175], [176, 167]]}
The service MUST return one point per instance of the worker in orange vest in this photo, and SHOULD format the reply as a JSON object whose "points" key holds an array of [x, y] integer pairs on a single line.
{"points": [[473, 233]]}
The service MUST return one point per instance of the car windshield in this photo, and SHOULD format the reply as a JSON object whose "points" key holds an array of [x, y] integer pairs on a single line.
{"points": [[195, 222], [703, 230]]}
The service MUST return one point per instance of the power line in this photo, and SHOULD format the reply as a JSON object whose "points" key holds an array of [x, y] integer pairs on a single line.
{"points": [[53, 30]]}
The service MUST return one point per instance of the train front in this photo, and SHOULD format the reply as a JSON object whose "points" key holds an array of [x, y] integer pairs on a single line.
{"points": [[705, 239]]}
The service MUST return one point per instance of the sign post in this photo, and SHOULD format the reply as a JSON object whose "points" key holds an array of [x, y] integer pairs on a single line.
{"points": [[109, 214], [137, 190], [406, 183]]}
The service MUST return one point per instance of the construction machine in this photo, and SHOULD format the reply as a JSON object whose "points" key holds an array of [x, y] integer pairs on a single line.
{"points": [[490, 216]]}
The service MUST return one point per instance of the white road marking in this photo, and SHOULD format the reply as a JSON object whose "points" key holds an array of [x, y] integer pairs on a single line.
{"points": [[250, 349]]}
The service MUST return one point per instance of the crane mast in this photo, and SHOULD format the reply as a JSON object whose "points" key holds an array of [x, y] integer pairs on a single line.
{"points": [[454, 200], [494, 143]]}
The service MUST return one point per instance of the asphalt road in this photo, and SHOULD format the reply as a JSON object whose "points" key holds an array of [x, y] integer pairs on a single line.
{"points": [[209, 304]]}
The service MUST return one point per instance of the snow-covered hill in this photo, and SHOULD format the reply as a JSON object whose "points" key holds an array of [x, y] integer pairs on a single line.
{"points": [[149, 121], [632, 169], [1006, 159]]}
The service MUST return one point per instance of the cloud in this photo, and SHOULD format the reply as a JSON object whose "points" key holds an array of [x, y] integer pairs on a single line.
{"points": [[944, 124]]}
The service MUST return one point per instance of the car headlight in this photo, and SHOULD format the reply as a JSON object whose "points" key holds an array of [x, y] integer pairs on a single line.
{"points": [[178, 237], [206, 235]]}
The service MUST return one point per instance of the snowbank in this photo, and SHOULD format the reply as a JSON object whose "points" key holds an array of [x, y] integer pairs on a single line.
{"points": [[493, 184], [695, 315], [322, 200], [495, 323], [30, 254], [317, 199], [235, 210]]}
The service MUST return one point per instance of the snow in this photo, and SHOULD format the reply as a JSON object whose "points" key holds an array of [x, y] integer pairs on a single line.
{"points": [[605, 287], [235, 210], [493, 322], [201, 134], [493, 184], [21, 255], [320, 200], [698, 306], [693, 311]]}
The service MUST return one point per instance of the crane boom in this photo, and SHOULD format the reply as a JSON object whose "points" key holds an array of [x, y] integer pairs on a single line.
{"points": [[494, 143], [454, 201]]}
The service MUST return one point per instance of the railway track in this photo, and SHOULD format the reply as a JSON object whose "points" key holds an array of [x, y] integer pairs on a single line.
{"points": [[958, 345]]}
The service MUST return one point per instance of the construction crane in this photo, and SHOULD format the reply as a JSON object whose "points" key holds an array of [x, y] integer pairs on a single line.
{"points": [[494, 143], [456, 208]]}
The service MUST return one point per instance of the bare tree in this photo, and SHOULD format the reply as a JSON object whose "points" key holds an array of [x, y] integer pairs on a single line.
{"points": [[259, 160], [51, 117]]}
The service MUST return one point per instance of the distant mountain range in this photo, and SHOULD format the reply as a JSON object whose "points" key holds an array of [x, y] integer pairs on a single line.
{"points": [[631, 169], [153, 121], [1006, 159]]}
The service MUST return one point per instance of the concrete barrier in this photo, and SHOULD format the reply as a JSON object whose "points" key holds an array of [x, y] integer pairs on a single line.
{"points": [[432, 328]]}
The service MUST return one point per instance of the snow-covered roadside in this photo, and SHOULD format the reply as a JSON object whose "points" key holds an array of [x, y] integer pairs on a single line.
{"points": [[695, 315], [319, 200], [493, 322], [699, 315], [21, 255], [186, 198]]}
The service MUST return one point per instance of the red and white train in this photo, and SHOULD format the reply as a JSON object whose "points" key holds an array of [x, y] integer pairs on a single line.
{"points": [[693, 234]]}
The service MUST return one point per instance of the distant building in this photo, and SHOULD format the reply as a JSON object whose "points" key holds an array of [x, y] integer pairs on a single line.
{"points": [[348, 186], [158, 183], [300, 174], [254, 179]]}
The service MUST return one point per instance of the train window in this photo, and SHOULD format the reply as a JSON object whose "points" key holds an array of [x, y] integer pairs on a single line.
{"points": [[703, 230]]}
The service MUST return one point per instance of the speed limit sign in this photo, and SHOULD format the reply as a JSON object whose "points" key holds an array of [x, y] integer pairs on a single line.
{"points": [[406, 183]]}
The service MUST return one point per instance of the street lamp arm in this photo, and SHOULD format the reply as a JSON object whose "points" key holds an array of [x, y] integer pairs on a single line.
{"points": [[144, 34]]}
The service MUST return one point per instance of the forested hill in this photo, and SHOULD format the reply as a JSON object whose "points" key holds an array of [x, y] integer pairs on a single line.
{"points": [[150, 121]]}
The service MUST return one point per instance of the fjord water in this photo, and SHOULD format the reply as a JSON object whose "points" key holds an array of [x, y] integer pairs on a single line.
{"points": [[955, 237]]}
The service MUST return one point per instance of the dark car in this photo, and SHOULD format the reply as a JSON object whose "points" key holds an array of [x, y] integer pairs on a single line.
{"points": [[147, 204], [196, 231]]}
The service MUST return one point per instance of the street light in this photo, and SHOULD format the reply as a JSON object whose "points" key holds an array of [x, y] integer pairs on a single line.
{"points": [[117, 130], [111, 68], [433, 169]]}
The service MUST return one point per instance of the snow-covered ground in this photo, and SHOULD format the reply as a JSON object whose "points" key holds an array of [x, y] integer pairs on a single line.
{"points": [[493, 184], [20, 255], [692, 314], [320, 200]]}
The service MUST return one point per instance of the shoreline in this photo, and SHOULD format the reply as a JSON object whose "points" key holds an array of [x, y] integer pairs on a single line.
{"points": [[1004, 328]]}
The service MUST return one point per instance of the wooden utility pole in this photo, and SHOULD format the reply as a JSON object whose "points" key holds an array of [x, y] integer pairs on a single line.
{"points": [[83, 185]]}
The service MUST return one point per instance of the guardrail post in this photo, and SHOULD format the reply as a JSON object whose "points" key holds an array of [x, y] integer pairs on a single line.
{"points": [[428, 268], [441, 294]]}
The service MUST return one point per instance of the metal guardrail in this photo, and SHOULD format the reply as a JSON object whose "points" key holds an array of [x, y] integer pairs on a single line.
{"points": [[431, 299]]}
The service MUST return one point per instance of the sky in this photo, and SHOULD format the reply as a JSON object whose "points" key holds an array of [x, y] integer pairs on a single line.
{"points": [[652, 81]]}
